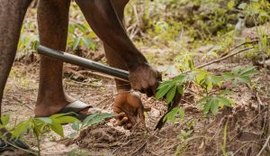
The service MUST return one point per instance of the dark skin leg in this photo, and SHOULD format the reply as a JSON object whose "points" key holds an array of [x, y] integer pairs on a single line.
{"points": [[12, 13], [53, 27], [125, 102], [105, 16], [53, 20], [101, 16], [115, 60], [103, 19]]}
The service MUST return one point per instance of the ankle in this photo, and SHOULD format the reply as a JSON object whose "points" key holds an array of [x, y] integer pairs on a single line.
{"points": [[49, 106], [43, 111]]}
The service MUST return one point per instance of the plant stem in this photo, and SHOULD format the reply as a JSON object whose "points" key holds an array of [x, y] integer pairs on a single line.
{"points": [[38, 143], [39, 150]]}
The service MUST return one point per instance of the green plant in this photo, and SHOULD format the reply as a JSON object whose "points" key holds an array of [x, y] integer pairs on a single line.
{"points": [[211, 96], [91, 120], [42, 125], [38, 126], [80, 37], [225, 135]]}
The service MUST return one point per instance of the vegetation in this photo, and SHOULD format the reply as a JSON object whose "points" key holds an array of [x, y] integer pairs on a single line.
{"points": [[192, 32]]}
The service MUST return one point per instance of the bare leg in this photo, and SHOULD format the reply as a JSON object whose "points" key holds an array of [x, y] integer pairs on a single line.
{"points": [[12, 13], [101, 15], [53, 26], [115, 60], [105, 18]]}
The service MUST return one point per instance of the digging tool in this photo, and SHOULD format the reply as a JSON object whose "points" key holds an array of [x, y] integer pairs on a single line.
{"points": [[98, 67], [83, 62]]}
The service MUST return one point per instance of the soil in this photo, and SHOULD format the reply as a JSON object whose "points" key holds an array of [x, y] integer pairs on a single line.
{"points": [[241, 130]]}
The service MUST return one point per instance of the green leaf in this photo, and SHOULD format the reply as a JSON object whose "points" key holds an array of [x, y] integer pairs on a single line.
{"points": [[88, 119], [171, 94], [206, 108], [55, 116], [39, 126], [216, 80], [225, 101], [76, 43], [231, 5], [95, 119], [57, 127], [171, 116], [71, 28], [76, 125], [5, 119], [244, 79], [228, 76], [240, 74], [22, 128], [191, 64], [81, 27], [200, 76], [180, 89], [66, 119], [242, 6], [45, 120], [214, 106], [164, 90], [209, 85], [87, 42], [248, 71], [164, 84], [180, 79]]}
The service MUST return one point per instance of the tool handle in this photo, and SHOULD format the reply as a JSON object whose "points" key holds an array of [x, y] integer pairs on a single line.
{"points": [[83, 62]]}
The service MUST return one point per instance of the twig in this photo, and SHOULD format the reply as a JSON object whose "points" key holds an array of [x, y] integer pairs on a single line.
{"points": [[245, 43], [17, 147], [230, 55], [144, 144], [223, 58], [101, 75], [264, 146], [140, 149]]}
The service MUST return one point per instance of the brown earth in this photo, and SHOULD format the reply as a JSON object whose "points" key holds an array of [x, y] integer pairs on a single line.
{"points": [[241, 130]]}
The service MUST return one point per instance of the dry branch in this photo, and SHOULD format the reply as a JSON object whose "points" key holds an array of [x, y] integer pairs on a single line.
{"points": [[223, 58], [264, 146]]}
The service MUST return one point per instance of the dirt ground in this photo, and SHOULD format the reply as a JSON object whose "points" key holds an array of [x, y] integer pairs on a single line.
{"points": [[241, 130]]}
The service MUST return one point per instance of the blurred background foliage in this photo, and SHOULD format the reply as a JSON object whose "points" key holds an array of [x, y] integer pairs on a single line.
{"points": [[185, 28]]}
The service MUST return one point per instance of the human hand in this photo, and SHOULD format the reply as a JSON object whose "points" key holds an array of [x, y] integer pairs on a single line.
{"points": [[130, 110], [145, 79]]}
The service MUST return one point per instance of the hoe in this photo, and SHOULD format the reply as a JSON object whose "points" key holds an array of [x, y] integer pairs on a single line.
{"points": [[98, 67]]}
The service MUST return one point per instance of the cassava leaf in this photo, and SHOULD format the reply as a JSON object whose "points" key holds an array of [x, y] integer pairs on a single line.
{"points": [[171, 94], [76, 43], [171, 116], [21, 128], [214, 106], [57, 127], [5, 119], [66, 119], [164, 90], [96, 118]]}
